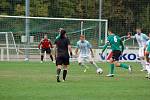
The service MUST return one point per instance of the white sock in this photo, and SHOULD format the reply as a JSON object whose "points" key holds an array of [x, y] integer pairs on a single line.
{"points": [[147, 66], [143, 62], [148, 69], [95, 65]]}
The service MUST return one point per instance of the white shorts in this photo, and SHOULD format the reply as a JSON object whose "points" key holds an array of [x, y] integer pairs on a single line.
{"points": [[141, 52], [82, 59]]}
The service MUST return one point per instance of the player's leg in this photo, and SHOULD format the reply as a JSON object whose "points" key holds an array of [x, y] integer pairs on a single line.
{"points": [[109, 56], [90, 59], [48, 51], [116, 57], [59, 63], [112, 66], [141, 56], [147, 65], [51, 57], [81, 62], [122, 65], [65, 70], [42, 54], [97, 68]]}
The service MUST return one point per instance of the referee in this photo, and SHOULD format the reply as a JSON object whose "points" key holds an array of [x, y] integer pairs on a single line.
{"points": [[62, 56]]}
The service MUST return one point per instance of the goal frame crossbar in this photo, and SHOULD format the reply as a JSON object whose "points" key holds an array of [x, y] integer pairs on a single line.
{"points": [[73, 19]]}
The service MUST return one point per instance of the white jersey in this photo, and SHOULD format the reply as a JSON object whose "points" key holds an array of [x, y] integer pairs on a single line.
{"points": [[84, 47], [141, 39]]}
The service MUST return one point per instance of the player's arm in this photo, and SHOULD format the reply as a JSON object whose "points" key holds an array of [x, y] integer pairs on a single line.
{"points": [[127, 37], [132, 37], [92, 52], [90, 47], [146, 44], [77, 49], [122, 46], [104, 47], [50, 43], [69, 48], [39, 45], [55, 48], [146, 37]]}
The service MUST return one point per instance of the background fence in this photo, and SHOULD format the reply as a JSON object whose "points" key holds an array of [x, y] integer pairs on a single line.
{"points": [[123, 16]]}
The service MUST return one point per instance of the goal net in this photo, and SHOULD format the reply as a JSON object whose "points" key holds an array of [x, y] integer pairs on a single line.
{"points": [[8, 49], [95, 31]]}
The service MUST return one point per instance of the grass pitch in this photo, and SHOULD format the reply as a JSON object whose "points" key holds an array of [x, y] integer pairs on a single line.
{"points": [[35, 81]]}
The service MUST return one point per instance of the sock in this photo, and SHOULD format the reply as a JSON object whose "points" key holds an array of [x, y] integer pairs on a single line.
{"points": [[42, 57], [51, 57], [95, 65], [64, 74], [143, 63], [124, 66], [112, 66], [58, 71], [148, 69], [147, 66]]}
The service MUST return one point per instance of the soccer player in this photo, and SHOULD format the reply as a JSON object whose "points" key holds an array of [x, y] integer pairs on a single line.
{"points": [[117, 49], [59, 33], [141, 39], [124, 39], [62, 56], [147, 54], [45, 45], [86, 53]]}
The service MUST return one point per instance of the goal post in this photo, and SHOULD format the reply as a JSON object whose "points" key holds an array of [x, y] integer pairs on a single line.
{"points": [[8, 46]]}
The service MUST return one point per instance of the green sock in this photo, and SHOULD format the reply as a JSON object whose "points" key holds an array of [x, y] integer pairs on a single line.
{"points": [[124, 66], [112, 68]]}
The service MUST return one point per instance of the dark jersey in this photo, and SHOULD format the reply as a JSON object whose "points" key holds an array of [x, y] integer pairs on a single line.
{"points": [[62, 46]]}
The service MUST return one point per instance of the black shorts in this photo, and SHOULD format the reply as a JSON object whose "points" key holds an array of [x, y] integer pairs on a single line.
{"points": [[48, 50], [62, 60], [116, 55]]}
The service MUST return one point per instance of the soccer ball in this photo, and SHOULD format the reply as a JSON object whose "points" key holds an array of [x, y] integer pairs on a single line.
{"points": [[99, 71]]}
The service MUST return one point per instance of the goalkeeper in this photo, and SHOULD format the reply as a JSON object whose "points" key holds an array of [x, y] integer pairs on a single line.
{"points": [[45, 45]]}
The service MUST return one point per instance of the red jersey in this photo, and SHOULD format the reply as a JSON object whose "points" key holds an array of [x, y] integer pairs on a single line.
{"points": [[45, 43]]}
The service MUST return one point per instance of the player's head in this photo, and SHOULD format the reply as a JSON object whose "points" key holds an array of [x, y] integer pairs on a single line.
{"points": [[138, 31], [82, 37], [45, 36], [110, 32], [129, 34], [59, 30], [149, 35], [62, 34]]}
